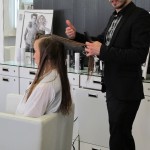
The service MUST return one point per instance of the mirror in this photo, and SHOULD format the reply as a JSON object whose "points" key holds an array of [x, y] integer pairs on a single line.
{"points": [[9, 15]]}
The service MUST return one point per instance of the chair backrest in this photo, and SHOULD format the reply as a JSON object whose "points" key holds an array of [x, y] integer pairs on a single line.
{"points": [[49, 132], [62, 133], [12, 101]]}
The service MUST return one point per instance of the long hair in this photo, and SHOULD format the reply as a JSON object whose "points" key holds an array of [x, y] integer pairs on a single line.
{"points": [[53, 53]]}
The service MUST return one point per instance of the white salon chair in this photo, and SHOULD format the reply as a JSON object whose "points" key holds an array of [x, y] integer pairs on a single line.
{"points": [[48, 132]]}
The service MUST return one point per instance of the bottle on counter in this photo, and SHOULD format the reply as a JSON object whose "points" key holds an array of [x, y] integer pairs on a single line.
{"points": [[68, 59], [77, 62]]}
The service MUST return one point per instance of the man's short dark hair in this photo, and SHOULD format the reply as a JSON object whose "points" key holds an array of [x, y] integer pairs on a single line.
{"points": [[33, 15]]}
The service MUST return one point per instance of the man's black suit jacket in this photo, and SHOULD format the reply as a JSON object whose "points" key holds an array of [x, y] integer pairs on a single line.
{"points": [[126, 53]]}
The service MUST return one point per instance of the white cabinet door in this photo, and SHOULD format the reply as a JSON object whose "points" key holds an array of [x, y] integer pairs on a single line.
{"points": [[93, 117], [141, 127], [24, 83], [8, 84], [27, 76]]}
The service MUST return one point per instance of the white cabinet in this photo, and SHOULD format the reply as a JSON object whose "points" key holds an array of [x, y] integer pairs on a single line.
{"points": [[93, 117], [141, 128], [9, 82], [26, 78], [24, 83]]}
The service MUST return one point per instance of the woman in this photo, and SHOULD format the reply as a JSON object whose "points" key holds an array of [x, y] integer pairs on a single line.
{"points": [[41, 23], [50, 90]]}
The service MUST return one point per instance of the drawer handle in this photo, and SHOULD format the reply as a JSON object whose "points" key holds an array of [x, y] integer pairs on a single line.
{"points": [[95, 149], [75, 119], [92, 95], [6, 79], [5, 69], [97, 82], [30, 82], [32, 73]]}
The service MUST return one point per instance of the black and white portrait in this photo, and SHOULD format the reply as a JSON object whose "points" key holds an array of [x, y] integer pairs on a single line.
{"points": [[33, 23], [30, 22]]}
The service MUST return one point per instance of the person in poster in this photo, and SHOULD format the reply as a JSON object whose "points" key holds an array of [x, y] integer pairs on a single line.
{"points": [[41, 22], [30, 33]]}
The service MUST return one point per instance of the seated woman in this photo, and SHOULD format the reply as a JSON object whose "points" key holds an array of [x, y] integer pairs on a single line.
{"points": [[50, 90]]}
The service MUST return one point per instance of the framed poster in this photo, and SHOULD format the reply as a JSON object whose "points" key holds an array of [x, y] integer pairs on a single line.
{"points": [[29, 23]]}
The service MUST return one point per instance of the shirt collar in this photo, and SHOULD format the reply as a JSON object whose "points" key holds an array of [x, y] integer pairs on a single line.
{"points": [[51, 76], [124, 10]]}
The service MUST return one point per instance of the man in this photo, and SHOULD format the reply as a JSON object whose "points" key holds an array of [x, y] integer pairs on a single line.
{"points": [[30, 32], [123, 47]]}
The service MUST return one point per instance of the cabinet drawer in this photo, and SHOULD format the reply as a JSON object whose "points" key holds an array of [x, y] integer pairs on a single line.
{"points": [[9, 83], [92, 83], [9, 70], [27, 72], [73, 78], [146, 89]]}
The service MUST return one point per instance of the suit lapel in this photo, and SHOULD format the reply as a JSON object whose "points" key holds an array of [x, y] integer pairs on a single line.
{"points": [[120, 24]]}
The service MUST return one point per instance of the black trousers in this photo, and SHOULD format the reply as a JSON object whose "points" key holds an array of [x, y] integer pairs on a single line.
{"points": [[121, 117]]}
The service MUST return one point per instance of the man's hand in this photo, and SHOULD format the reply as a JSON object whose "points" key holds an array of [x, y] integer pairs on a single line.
{"points": [[93, 48], [70, 30]]}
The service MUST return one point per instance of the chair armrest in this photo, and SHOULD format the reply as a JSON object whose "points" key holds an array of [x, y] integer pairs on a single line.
{"points": [[52, 131], [33, 130]]}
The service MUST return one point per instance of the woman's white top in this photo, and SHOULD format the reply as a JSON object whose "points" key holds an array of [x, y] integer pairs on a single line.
{"points": [[45, 98]]}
